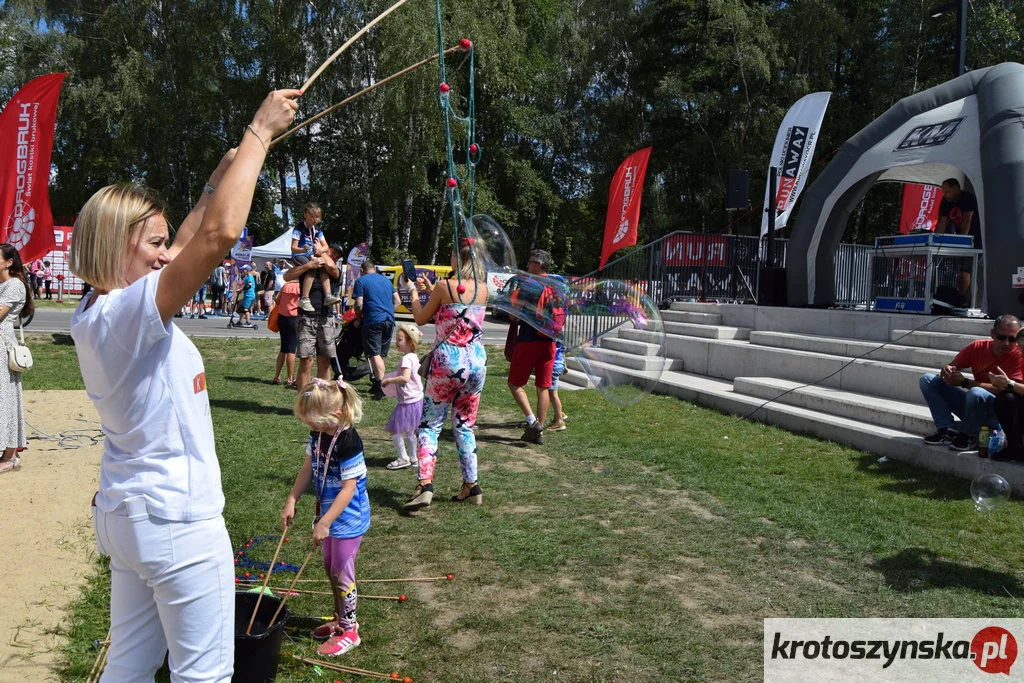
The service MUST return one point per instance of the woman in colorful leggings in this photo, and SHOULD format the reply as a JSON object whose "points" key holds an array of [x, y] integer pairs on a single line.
{"points": [[458, 367]]}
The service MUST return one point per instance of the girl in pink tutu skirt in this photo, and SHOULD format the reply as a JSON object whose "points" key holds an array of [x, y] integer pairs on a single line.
{"points": [[405, 385]]}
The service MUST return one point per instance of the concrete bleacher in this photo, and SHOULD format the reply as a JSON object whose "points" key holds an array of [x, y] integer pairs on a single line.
{"points": [[845, 376]]}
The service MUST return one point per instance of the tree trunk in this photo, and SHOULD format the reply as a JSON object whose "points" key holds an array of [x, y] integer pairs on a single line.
{"points": [[405, 231], [284, 194], [437, 232], [368, 216]]}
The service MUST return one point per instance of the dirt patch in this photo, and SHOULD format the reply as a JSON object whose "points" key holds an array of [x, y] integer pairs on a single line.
{"points": [[47, 527]]}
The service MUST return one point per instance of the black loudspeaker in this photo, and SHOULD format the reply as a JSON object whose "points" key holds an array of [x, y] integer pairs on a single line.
{"points": [[773, 287], [736, 190]]}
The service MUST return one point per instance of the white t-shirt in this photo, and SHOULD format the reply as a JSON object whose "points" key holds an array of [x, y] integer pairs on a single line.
{"points": [[411, 391], [149, 386]]}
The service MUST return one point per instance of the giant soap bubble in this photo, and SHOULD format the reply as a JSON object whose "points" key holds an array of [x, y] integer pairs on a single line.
{"points": [[616, 337], [989, 491], [497, 247]]}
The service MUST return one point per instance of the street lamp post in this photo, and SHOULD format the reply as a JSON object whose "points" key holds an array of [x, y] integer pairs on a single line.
{"points": [[960, 45]]}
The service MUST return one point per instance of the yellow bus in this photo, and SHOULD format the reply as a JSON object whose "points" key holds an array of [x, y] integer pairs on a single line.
{"points": [[394, 273]]}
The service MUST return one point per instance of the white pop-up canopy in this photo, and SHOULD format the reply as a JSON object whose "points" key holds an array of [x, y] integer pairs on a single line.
{"points": [[279, 248]]}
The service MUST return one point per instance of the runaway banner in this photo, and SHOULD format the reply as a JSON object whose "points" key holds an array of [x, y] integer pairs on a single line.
{"points": [[26, 140], [794, 147], [920, 207], [624, 204]]}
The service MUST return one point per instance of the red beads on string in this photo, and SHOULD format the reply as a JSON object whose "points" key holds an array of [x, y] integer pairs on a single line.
{"points": [[473, 149], [444, 87], [452, 182], [465, 43], [461, 289]]}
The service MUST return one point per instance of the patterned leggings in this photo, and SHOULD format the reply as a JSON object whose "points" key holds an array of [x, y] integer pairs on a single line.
{"points": [[456, 379], [340, 563]]}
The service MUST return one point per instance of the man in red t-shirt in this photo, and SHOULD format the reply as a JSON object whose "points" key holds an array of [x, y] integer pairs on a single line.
{"points": [[951, 392]]}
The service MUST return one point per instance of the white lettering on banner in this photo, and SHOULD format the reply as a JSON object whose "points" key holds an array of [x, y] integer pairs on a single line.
{"points": [[924, 210], [21, 222], [627, 193]]}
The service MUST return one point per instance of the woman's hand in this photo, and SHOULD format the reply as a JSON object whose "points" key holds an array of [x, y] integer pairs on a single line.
{"points": [[275, 114], [999, 379], [287, 514], [425, 284], [321, 531]]}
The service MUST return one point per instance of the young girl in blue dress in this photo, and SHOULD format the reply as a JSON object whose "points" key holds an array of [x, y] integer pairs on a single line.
{"points": [[336, 468]]}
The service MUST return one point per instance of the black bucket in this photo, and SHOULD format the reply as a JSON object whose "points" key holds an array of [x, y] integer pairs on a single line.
{"points": [[257, 655]]}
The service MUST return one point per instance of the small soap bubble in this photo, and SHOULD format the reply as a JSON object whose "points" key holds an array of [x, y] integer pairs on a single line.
{"points": [[989, 491]]}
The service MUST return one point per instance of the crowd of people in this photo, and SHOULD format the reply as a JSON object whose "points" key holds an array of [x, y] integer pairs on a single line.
{"points": [[158, 512]]}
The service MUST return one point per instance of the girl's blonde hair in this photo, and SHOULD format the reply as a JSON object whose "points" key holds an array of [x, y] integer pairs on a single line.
{"points": [[320, 400], [411, 331], [103, 230], [472, 259]]}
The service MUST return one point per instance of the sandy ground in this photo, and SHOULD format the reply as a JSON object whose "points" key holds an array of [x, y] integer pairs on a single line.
{"points": [[47, 532]]}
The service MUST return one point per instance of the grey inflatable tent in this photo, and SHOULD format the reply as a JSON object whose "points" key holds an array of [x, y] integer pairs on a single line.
{"points": [[969, 128]]}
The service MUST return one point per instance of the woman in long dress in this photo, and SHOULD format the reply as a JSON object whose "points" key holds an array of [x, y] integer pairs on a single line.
{"points": [[15, 303]]}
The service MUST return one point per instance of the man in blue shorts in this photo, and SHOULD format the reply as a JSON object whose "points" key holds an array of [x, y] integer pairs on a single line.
{"points": [[376, 300]]}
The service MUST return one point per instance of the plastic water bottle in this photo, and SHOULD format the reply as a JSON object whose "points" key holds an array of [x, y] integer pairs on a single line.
{"points": [[983, 439], [997, 441]]}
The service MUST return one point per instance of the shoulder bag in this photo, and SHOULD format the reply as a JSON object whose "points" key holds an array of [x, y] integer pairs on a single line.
{"points": [[19, 358]]}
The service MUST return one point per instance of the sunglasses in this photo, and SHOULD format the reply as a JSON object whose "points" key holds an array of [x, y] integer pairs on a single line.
{"points": [[1006, 337]]}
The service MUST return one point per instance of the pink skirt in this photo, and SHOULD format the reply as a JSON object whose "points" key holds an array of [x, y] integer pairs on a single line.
{"points": [[405, 418]]}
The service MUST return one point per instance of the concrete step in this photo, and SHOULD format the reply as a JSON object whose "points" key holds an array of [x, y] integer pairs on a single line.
{"points": [[892, 353], [638, 347], [934, 340], [626, 360], [898, 415], [574, 380], [701, 318], [882, 441], [705, 331], [976, 327], [726, 359]]}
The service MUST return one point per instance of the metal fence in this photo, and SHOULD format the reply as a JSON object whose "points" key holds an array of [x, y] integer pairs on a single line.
{"points": [[684, 265]]}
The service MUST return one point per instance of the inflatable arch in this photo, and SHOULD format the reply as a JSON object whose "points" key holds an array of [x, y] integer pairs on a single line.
{"points": [[970, 128]]}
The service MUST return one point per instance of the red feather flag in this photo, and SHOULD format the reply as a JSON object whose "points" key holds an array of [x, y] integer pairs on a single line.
{"points": [[624, 204], [26, 140]]}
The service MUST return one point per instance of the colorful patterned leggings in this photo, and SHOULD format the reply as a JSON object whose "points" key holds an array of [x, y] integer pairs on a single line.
{"points": [[456, 380], [340, 564]]}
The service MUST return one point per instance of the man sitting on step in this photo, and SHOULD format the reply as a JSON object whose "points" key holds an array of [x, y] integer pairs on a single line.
{"points": [[950, 392]]}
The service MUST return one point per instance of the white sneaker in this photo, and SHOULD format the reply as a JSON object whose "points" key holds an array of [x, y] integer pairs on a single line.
{"points": [[399, 464], [306, 305], [331, 300]]}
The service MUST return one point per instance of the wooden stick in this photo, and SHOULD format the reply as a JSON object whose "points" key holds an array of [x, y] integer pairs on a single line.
{"points": [[101, 658], [297, 576], [303, 591], [449, 577], [325, 112], [349, 42], [265, 582], [341, 667]]}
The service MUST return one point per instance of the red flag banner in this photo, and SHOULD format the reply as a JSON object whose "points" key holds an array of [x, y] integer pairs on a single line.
{"points": [[624, 204], [920, 207], [26, 140]]}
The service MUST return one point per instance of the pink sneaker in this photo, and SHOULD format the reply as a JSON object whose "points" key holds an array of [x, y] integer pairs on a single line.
{"points": [[339, 645]]}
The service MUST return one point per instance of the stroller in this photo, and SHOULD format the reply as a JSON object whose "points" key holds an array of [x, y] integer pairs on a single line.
{"points": [[349, 349]]}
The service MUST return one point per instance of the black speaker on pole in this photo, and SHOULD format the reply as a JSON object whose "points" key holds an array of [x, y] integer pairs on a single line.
{"points": [[736, 190], [773, 287]]}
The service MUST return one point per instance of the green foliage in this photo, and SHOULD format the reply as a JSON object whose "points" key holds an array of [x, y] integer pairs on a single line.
{"points": [[565, 89]]}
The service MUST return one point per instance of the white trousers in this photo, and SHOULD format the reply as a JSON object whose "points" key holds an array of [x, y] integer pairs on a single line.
{"points": [[172, 590]]}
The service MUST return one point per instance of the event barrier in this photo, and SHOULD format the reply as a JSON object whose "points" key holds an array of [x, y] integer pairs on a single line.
{"points": [[707, 267]]}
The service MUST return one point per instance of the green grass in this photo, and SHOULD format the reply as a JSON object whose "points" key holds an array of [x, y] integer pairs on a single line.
{"points": [[643, 543]]}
